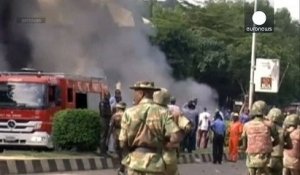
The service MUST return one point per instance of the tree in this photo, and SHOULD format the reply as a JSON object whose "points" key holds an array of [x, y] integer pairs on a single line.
{"points": [[209, 44], [187, 50]]}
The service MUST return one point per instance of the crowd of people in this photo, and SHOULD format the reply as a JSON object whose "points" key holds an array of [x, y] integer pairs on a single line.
{"points": [[149, 135]]}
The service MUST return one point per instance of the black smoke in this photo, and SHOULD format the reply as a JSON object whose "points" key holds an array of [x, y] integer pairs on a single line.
{"points": [[91, 37], [16, 46]]}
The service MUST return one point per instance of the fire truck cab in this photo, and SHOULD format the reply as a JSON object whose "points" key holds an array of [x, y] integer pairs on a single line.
{"points": [[29, 100]]}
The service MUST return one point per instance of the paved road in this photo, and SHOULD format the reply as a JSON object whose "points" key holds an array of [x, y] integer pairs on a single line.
{"points": [[188, 169]]}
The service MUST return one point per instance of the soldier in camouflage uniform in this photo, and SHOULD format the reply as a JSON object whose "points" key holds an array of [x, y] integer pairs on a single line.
{"points": [[291, 153], [146, 129], [115, 128], [275, 165], [299, 120], [257, 138], [162, 98]]}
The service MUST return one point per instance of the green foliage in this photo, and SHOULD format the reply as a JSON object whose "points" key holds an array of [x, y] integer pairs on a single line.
{"points": [[76, 128], [209, 44]]}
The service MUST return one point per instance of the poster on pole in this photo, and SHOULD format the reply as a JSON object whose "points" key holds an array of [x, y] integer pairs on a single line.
{"points": [[266, 75]]}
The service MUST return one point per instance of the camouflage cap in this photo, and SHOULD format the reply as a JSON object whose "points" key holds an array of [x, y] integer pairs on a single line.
{"points": [[291, 120], [275, 115], [162, 97], [144, 85], [121, 105], [259, 108]]}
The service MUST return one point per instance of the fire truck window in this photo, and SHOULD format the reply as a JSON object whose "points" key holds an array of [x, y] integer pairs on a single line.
{"points": [[52, 94], [23, 95], [57, 96], [70, 95], [81, 100]]}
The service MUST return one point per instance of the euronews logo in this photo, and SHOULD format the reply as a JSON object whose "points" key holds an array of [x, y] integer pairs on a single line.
{"points": [[259, 21]]}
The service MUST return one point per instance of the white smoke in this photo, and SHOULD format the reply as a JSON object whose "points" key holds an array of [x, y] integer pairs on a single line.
{"points": [[189, 89], [95, 37]]}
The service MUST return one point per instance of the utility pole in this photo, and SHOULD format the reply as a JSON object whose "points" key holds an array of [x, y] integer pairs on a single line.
{"points": [[252, 68]]}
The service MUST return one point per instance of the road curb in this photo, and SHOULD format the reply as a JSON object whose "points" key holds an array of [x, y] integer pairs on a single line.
{"points": [[202, 158], [55, 165], [10, 167]]}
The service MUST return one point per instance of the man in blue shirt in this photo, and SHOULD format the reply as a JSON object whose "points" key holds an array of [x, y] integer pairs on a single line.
{"points": [[219, 129], [189, 110]]}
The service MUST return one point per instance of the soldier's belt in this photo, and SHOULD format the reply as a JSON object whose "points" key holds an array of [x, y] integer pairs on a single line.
{"points": [[146, 150]]}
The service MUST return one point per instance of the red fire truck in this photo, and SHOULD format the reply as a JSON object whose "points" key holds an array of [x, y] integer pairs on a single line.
{"points": [[29, 100]]}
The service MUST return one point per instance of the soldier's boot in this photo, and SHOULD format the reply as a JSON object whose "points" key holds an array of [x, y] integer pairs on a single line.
{"points": [[259, 171], [120, 173], [252, 171], [266, 171], [121, 170], [275, 171]]}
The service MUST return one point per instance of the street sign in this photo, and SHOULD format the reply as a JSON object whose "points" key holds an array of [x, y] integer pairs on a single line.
{"points": [[266, 75]]}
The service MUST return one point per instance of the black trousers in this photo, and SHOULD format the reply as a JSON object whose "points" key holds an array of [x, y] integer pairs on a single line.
{"points": [[218, 144], [189, 142], [104, 134]]}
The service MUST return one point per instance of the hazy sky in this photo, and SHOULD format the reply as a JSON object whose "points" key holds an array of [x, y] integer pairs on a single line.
{"points": [[292, 5]]}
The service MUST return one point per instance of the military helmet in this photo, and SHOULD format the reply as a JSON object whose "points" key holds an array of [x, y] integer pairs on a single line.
{"points": [[162, 97], [291, 120], [298, 118], [275, 115], [259, 108]]}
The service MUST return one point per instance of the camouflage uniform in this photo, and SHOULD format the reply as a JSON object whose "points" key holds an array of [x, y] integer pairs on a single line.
{"points": [[257, 135], [115, 128], [162, 98], [291, 153], [145, 128], [299, 119], [276, 162]]}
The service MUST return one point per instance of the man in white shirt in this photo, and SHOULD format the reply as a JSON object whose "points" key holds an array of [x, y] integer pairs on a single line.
{"points": [[203, 127], [115, 99]]}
